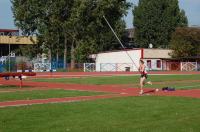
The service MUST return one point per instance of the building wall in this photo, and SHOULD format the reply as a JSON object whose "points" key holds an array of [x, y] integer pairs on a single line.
{"points": [[154, 64], [118, 61]]}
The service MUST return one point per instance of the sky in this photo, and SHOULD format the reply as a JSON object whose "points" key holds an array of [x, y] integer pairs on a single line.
{"points": [[191, 7]]}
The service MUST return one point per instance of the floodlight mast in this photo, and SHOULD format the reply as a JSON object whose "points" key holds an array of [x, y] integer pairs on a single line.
{"points": [[120, 41]]}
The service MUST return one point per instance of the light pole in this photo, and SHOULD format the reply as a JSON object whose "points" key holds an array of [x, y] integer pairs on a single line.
{"points": [[9, 55]]}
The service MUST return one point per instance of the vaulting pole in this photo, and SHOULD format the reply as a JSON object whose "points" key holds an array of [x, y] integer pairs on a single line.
{"points": [[120, 41]]}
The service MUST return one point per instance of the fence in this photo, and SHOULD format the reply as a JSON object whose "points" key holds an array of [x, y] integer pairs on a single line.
{"points": [[78, 67], [93, 67], [41, 67], [15, 67], [89, 67], [116, 67], [189, 66], [198, 66], [172, 66]]}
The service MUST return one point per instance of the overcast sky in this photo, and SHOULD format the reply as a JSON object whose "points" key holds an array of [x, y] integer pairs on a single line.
{"points": [[191, 7]]}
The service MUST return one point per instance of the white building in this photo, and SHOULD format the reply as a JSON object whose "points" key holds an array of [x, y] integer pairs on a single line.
{"points": [[155, 59]]}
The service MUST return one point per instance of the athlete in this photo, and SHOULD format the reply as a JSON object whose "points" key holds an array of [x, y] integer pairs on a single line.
{"points": [[144, 76]]}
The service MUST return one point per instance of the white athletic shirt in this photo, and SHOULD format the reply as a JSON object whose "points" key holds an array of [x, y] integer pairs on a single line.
{"points": [[145, 70]]}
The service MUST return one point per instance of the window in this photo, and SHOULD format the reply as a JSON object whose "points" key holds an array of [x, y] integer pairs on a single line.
{"points": [[158, 64], [149, 63]]}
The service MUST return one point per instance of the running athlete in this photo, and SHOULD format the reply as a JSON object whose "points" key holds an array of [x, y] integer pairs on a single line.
{"points": [[144, 76]]}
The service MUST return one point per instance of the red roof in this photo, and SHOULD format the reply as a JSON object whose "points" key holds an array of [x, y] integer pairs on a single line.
{"points": [[9, 30]]}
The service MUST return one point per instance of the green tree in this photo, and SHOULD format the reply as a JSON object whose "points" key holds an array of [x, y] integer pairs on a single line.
{"points": [[73, 25], [156, 20], [91, 30], [46, 19], [28, 50], [183, 21], [185, 42]]}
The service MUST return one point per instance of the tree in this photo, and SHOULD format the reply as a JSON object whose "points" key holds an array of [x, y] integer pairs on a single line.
{"points": [[185, 42], [28, 50], [46, 19], [90, 29], [183, 21], [156, 20], [75, 25]]}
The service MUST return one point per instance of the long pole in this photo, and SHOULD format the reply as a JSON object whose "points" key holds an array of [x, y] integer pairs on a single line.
{"points": [[119, 41]]}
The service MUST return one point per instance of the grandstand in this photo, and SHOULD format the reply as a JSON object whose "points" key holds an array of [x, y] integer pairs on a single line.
{"points": [[10, 40]]}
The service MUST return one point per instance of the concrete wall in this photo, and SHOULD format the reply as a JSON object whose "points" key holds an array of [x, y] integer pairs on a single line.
{"points": [[118, 61]]}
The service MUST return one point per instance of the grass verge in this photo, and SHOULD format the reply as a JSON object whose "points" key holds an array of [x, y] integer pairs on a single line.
{"points": [[130, 114], [43, 94], [177, 81]]}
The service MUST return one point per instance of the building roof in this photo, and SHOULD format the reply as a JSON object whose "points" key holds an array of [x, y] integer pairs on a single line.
{"points": [[9, 30], [157, 53], [17, 40], [147, 53]]}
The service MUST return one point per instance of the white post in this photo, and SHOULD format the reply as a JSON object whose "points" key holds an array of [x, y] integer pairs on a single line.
{"points": [[9, 58], [196, 66], [84, 67], [181, 66]]}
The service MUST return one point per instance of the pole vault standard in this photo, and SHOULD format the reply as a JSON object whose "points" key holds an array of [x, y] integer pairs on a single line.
{"points": [[119, 41]]}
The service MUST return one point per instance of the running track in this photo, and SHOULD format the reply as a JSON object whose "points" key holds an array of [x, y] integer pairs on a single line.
{"points": [[114, 91], [96, 74]]}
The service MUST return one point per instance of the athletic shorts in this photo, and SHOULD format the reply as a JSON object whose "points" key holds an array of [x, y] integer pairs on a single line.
{"points": [[144, 75]]}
